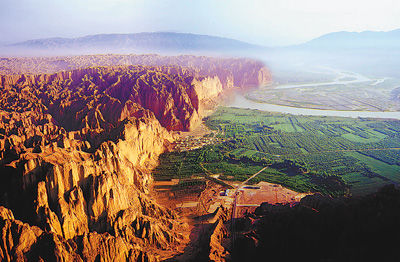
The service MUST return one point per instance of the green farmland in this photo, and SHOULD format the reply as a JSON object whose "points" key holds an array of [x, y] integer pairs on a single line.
{"points": [[331, 155]]}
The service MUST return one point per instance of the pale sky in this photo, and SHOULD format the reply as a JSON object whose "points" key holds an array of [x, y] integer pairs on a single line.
{"points": [[264, 22]]}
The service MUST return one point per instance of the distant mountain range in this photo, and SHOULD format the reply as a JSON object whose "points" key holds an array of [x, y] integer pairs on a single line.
{"points": [[350, 43], [139, 42], [371, 53], [351, 40]]}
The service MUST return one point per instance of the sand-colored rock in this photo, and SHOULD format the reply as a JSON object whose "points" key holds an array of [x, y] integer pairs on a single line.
{"points": [[46, 218], [76, 148], [103, 247]]}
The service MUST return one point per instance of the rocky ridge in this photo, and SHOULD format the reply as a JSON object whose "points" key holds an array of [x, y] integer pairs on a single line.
{"points": [[76, 148], [232, 72]]}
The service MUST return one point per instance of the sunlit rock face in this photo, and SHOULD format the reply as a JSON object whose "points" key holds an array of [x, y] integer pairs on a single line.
{"points": [[76, 148]]}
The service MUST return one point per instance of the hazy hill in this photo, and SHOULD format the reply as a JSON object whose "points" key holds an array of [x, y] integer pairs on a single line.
{"points": [[362, 40], [372, 53], [164, 42]]}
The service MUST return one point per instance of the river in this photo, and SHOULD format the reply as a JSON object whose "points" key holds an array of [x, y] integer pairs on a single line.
{"points": [[241, 101], [343, 78]]}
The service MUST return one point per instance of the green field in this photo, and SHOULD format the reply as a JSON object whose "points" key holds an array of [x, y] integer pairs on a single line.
{"points": [[331, 155]]}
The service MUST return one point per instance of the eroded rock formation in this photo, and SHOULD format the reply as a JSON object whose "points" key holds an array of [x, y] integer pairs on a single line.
{"points": [[76, 148], [239, 72]]}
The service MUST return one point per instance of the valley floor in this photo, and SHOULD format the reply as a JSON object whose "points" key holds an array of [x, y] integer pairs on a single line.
{"points": [[331, 155]]}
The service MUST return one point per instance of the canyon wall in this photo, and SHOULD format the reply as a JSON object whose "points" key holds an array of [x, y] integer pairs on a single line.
{"points": [[76, 148]]}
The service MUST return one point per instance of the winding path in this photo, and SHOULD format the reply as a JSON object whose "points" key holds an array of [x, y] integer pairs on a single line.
{"points": [[234, 204]]}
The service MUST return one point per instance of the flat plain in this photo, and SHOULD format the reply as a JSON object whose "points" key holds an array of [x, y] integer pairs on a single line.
{"points": [[331, 155]]}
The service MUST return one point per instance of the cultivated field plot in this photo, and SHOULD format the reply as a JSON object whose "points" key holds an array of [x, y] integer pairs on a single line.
{"points": [[304, 153]]}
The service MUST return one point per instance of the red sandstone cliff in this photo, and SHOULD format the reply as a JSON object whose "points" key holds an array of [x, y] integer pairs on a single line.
{"points": [[76, 147], [240, 72]]}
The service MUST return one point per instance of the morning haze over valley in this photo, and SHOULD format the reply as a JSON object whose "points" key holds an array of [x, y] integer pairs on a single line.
{"points": [[199, 130]]}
